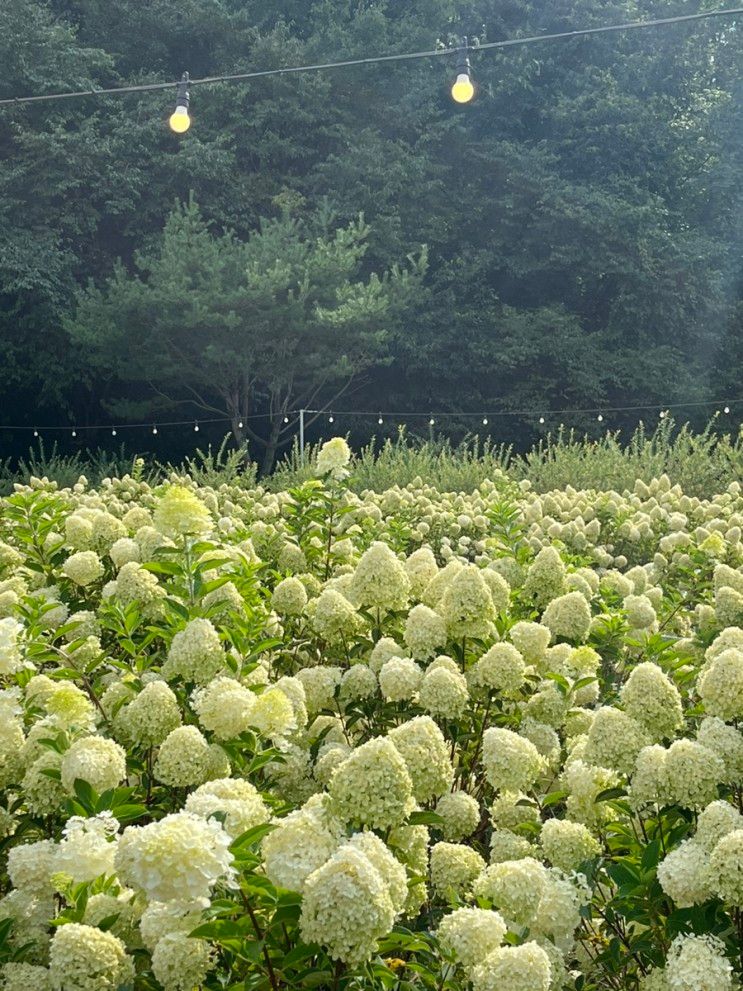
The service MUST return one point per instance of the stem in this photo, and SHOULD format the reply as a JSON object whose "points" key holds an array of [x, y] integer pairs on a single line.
{"points": [[259, 933], [337, 974], [148, 798], [476, 753], [189, 575], [330, 537]]}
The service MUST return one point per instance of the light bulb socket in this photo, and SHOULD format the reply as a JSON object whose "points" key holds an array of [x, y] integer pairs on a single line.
{"points": [[182, 93], [464, 66]]}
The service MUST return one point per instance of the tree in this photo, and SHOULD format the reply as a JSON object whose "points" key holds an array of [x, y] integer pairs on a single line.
{"points": [[245, 329], [582, 215]]}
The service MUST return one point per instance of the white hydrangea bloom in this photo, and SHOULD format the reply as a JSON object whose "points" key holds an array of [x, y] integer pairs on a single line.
{"points": [[346, 906], [180, 856]]}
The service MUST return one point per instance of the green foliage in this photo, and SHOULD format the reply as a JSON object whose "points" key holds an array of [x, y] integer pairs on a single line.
{"points": [[581, 215], [701, 462], [262, 324]]}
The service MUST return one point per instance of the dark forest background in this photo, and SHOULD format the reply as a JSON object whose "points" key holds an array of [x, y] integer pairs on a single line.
{"points": [[570, 239]]}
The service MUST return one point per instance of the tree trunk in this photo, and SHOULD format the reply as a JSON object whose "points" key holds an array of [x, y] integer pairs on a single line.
{"points": [[238, 432], [271, 445], [238, 417]]}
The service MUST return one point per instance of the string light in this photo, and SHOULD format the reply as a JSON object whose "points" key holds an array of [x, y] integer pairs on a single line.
{"points": [[663, 412], [182, 120], [463, 90], [179, 119]]}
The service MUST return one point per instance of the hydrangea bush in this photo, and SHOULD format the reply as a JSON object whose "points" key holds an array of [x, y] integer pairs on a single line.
{"points": [[399, 740]]}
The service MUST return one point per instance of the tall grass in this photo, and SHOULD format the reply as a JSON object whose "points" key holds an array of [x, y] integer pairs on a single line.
{"points": [[399, 462], [701, 462]]}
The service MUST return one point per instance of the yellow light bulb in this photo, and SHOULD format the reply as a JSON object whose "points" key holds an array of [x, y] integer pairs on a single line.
{"points": [[462, 91], [180, 121]]}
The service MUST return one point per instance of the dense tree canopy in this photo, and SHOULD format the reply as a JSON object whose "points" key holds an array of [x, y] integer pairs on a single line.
{"points": [[271, 323], [582, 217]]}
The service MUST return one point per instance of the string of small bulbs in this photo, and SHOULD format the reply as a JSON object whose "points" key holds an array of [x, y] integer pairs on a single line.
{"points": [[664, 411]]}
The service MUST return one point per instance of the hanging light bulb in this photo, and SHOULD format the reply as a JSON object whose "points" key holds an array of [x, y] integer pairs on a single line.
{"points": [[154, 430], [179, 119], [663, 414], [600, 417], [331, 418], [239, 425], [113, 432], [463, 90], [541, 419], [431, 422], [36, 433], [286, 420], [485, 421], [196, 427], [74, 432], [380, 421], [726, 409]]}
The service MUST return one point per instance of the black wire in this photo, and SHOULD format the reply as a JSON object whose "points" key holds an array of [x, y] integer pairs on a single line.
{"points": [[510, 43]]}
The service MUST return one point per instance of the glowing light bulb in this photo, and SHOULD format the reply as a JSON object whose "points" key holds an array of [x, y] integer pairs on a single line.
{"points": [[179, 119], [286, 419], [195, 428], [541, 419], [600, 418], [154, 430], [462, 90], [380, 421], [113, 432], [331, 418], [726, 409], [485, 421], [36, 433], [431, 422], [74, 432], [240, 424]]}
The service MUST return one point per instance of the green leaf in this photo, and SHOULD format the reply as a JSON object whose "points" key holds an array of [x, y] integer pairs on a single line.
{"points": [[85, 796], [300, 953], [422, 818], [610, 793], [251, 836]]}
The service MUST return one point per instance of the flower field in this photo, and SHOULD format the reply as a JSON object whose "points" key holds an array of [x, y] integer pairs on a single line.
{"points": [[392, 740]]}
